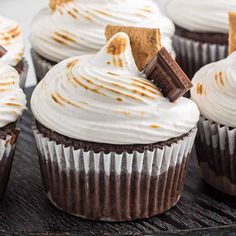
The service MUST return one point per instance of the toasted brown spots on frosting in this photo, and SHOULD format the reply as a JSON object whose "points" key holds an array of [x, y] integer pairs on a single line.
{"points": [[56, 99], [103, 13], [72, 14], [147, 9], [110, 73], [127, 113], [154, 126], [219, 78], [120, 99], [11, 34], [59, 99], [7, 83], [88, 18], [200, 89], [12, 104], [63, 37], [117, 46], [54, 4], [71, 64]]}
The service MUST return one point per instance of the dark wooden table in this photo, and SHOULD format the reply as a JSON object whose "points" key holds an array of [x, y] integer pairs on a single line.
{"points": [[25, 210]]}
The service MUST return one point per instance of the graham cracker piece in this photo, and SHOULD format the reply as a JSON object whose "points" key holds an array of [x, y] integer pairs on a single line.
{"points": [[145, 42], [55, 3], [232, 31]]}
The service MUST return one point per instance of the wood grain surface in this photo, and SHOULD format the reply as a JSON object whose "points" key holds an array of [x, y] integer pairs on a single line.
{"points": [[26, 211]]}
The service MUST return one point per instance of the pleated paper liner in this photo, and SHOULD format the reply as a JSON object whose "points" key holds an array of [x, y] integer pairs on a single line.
{"points": [[41, 65], [216, 151], [193, 55], [7, 151], [113, 187]]}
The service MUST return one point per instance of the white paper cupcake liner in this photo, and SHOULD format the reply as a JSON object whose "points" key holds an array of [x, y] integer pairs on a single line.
{"points": [[41, 65], [7, 151], [113, 187], [216, 151], [193, 55]]}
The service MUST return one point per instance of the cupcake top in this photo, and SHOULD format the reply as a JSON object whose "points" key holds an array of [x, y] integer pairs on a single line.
{"points": [[12, 97], [104, 98], [76, 27], [11, 39], [201, 15], [214, 91]]}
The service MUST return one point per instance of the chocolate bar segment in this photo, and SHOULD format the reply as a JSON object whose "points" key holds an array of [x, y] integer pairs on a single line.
{"points": [[166, 74], [3, 51]]}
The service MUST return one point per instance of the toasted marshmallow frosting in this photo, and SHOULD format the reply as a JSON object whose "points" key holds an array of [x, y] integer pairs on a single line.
{"points": [[12, 97], [201, 15], [214, 91], [104, 98], [11, 39], [77, 27]]}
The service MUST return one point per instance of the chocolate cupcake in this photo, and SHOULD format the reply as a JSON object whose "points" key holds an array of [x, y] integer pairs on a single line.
{"points": [[75, 28], [201, 31], [110, 146], [214, 93], [11, 39], [12, 104]]}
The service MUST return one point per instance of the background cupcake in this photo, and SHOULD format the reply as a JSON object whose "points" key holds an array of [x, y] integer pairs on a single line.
{"points": [[201, 31], [12, 104], [111, 147], [11, 39], [214, 93], [72, 28]]}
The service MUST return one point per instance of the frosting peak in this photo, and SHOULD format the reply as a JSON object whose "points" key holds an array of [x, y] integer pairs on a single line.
{"points": [[11, 39], [214, 91], [104, 98], [201, 15], [78, 27]]}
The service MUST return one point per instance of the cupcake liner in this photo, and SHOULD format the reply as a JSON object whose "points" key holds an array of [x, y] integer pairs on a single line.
{"points": [[41, 66], [7, 151], [113, 187], [193, 55], [216, 151], [23, 73]]}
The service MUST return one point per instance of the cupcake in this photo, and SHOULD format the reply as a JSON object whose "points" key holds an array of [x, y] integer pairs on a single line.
{"points": [[12, 104], [214, 93], [201, 31], [75, 28], [110, 146], [11, 39]]}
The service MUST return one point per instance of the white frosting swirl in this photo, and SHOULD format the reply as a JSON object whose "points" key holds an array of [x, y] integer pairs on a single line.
{"points": [[201, 15], [77, 27], [104, 98], [12, 98], [214, 91], [11, 39]]}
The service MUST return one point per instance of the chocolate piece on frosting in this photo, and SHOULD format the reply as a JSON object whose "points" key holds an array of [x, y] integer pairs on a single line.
{"points": [[3, 51], [145, 42], [232, 31], [168, 76]]}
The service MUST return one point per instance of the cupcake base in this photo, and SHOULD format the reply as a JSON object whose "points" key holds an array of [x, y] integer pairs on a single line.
{"points": [[41, 65], [215, 146], [8, 137], [195, 49], [113, 186]]}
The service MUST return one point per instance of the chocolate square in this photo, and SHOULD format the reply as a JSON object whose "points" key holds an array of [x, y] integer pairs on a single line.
{"points": [[166, 74]]}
